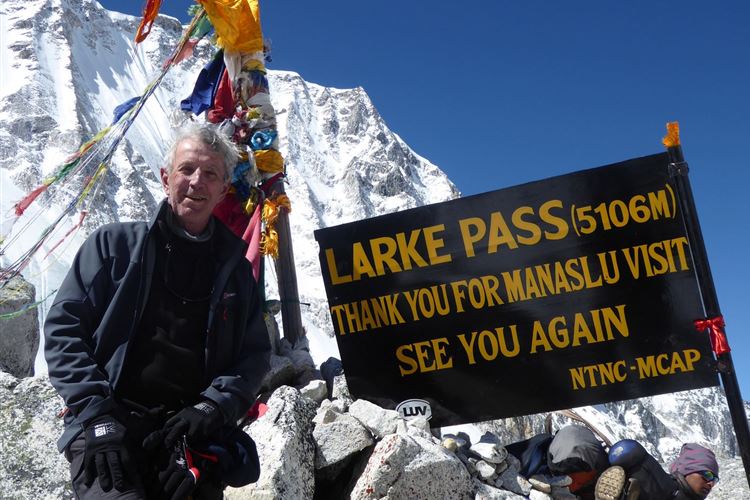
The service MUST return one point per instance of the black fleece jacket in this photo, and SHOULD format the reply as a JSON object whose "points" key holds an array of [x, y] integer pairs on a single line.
{"points": [[91, 323]]}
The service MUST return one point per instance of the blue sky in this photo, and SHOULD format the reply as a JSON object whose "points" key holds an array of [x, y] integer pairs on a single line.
{"points": [[502, 92]]}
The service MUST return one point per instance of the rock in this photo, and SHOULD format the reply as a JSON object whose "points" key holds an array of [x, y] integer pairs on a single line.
{"points": [[484, 491], [450, 444], [500, 468], [539, 485], [462, 440], [30, 465], [339, 405], [486, 471], [284, 437], [544, 482], [490, 452], [539, 495], [299, 354], [514, 482], [315, 390], [410, 467], [341, 390], [281, 373], [418, 426], [377, 420], [512, 461], [325, 415], [339, 440], [19, 341]]}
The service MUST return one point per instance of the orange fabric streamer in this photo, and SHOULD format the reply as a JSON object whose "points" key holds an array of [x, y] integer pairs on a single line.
{"points": [[269, 240], [150, 11], [672, 138]]}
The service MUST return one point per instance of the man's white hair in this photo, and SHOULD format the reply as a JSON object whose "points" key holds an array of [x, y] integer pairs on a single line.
{"points": [[211, 136]]}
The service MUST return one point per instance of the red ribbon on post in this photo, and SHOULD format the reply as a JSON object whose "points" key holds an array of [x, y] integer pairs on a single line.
{"points": [[716, 333]]}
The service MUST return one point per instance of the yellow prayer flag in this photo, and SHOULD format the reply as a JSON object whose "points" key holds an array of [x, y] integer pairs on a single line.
{"points": [[237, 24], [269, 160]]}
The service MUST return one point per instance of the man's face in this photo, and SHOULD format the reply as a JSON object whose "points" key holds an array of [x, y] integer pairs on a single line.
{"points": [[195, 184], [699, 484]]}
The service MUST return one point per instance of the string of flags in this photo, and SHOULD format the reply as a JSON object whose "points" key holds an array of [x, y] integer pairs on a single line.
{"points": [[90, 162], [232, 91]]}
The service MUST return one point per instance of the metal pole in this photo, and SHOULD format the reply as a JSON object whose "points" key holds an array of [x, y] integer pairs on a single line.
{"points": [[679, 172], [291, 316]]}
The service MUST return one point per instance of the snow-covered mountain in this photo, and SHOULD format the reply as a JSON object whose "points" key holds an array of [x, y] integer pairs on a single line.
{"points": [[66, 64]]}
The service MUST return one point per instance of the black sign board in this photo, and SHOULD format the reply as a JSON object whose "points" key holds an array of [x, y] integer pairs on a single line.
{"points": [[570, 291]]}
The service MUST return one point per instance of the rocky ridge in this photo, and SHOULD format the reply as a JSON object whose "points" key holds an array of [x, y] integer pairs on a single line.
{"points": [[312, 445]]}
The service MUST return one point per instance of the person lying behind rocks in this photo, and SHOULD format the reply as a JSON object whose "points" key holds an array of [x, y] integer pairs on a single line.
{"points": [[635, 474]]}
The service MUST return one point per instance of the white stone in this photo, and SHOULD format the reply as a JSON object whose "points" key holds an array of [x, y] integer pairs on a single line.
{"points": [[539, 495], [325, 415], [483, 491], [315, 390], [540, 485], [340, 391], [486, 471], [338, 440], [491, 452], [407, 467], [379, 421], [551, 481], [286, 448]]}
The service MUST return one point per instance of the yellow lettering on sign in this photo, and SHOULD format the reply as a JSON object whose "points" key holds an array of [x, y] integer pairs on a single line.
{"points": [[597, 325], [386, 254], [657, 365], [425, 356]]}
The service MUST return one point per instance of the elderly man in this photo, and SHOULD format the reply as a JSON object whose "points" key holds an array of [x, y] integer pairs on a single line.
{"points": [[156, 340]]}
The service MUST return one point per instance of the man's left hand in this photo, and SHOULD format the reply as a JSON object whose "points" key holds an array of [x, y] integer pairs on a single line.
{"points": [[197, 423]]}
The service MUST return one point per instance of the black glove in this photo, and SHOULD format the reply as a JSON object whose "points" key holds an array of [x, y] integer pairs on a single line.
{"points": [[106, 455], [197, 423], [181, 475]]}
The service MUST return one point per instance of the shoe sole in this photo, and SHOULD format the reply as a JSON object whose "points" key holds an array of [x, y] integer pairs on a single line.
{"points": [[610, 484]]}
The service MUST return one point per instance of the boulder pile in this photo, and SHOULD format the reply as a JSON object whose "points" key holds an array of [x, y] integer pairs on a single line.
{"points": [[314, 446]]}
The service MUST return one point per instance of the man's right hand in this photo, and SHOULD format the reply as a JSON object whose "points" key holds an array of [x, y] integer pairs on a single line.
{"points": [[106, 455]]}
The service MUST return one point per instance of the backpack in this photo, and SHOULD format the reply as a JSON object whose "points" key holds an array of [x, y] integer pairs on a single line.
{"points": [[576, 452], [576, 449]]}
